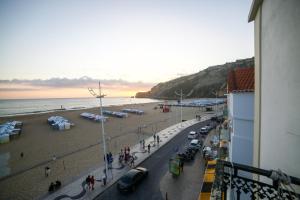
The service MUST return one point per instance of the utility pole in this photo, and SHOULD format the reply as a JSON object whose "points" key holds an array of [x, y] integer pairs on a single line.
{"points": [[100, 96], [215, 93], [180, 94]]}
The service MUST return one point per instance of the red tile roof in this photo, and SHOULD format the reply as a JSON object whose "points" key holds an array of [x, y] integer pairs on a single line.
{"points": [[241, 80]]}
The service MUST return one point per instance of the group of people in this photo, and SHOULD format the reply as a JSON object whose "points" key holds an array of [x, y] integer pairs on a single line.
{"points": [[142, 144], [90, 181], [54, 186], [109, 158], [156, 138], [125, 156]]}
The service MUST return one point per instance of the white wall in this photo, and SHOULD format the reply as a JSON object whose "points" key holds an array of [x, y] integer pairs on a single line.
{"points": [[280, 86], [241, 112]]}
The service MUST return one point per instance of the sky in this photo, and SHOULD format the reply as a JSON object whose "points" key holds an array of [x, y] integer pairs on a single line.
{"points": [[58, 48]]}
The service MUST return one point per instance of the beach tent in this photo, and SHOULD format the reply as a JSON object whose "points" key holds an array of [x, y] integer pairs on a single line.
{"points": [[59, 123], [115, 114], [4, 138], [10, 130], [93, 117], [134, 111]]}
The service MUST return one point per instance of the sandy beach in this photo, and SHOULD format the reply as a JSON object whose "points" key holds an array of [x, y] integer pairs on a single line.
{"points": [[78, 150]]}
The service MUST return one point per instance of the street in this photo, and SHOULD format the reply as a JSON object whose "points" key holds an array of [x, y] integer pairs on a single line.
{"points": [[157, 164]]}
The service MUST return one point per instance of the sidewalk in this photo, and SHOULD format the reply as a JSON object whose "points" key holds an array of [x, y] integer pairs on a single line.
{"points": [[77, 189]]}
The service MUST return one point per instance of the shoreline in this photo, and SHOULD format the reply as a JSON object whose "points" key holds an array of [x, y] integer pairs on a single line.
{"points": [[40, 106], [66, 109]]}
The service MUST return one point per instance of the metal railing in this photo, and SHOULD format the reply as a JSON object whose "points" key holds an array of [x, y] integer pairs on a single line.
{"points": [[240, 182]]}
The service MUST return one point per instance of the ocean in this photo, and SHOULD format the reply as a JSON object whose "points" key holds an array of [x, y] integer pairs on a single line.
{"points": [[13, 107]]}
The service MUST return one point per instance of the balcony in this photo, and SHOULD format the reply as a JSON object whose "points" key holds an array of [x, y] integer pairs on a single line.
{"points": [[242, 180]]}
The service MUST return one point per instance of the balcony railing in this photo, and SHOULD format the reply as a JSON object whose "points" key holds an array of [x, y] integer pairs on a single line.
{"points": [[240, 182]]}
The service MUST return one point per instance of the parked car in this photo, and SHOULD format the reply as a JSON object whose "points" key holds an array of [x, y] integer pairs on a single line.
{"points": [[203, 130], [190, 150], [186, 156], [195, 144], [208, 127], [192, 135], [131, 179], [214, 141]]}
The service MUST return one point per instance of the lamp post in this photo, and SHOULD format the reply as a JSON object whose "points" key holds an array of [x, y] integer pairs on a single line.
{"points": [[180, 94], [100, 96], [215, 93]]}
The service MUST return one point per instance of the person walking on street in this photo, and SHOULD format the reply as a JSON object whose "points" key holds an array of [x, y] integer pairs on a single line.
{"points": [[154, 137], [88, 182], [132, 161], [181, 166], [157, 137], [149, 146], [104, 179], [92, 182]]}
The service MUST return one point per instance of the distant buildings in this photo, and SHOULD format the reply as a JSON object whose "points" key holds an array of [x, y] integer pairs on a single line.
{"points": [[240, 101]]}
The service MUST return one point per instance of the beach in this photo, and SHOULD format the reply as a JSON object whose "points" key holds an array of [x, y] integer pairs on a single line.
{"points": [[73, 153]]}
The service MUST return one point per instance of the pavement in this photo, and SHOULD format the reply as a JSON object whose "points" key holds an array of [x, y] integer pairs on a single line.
{"points": [[78, 190]]}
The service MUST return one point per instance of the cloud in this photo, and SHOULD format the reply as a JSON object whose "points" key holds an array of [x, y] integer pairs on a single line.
{"points": [[83, 82], [17, 89]]}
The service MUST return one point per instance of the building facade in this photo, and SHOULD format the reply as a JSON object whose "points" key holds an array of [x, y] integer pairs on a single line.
{"points": [[277, 85], [240, 102]]}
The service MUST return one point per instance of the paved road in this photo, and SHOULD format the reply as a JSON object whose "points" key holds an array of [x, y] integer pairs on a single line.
{"points": [[158, 167]]}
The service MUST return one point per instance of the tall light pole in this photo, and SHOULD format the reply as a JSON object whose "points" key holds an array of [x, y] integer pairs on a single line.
{"points": [[215, 93], [100, 96], [181, 94]]}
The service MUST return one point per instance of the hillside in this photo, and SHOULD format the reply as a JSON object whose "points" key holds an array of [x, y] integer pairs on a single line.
{"points": [[198, 85]]}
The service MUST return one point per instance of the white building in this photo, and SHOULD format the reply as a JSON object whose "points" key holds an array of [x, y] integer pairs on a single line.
{"points": [[277, 85], [240, 101]]}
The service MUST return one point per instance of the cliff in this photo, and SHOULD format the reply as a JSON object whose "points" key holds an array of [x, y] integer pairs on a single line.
{"points": [[198, 85]]}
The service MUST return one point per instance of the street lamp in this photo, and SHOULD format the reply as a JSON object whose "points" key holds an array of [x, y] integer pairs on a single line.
{"points": [[100, 96], [215, 93], [181, 94]]}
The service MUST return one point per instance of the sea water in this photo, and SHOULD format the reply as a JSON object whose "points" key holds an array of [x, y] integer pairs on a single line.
{"points": [[10, 107]]}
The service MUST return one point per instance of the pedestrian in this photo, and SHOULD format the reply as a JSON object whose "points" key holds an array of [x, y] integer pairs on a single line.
{"points": [[181, 165], [132, 161], [149, 148], [157, 139], [104, 179], [120, 158], [92, 182], [154, 137], [128, 150], [47, 171], [88, 181]]}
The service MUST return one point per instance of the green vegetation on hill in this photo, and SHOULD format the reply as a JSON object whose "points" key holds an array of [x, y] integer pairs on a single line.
{"points": [[198, 85]]}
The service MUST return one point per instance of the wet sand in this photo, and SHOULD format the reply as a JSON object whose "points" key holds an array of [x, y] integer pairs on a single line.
{"points": [[78, 150]]}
